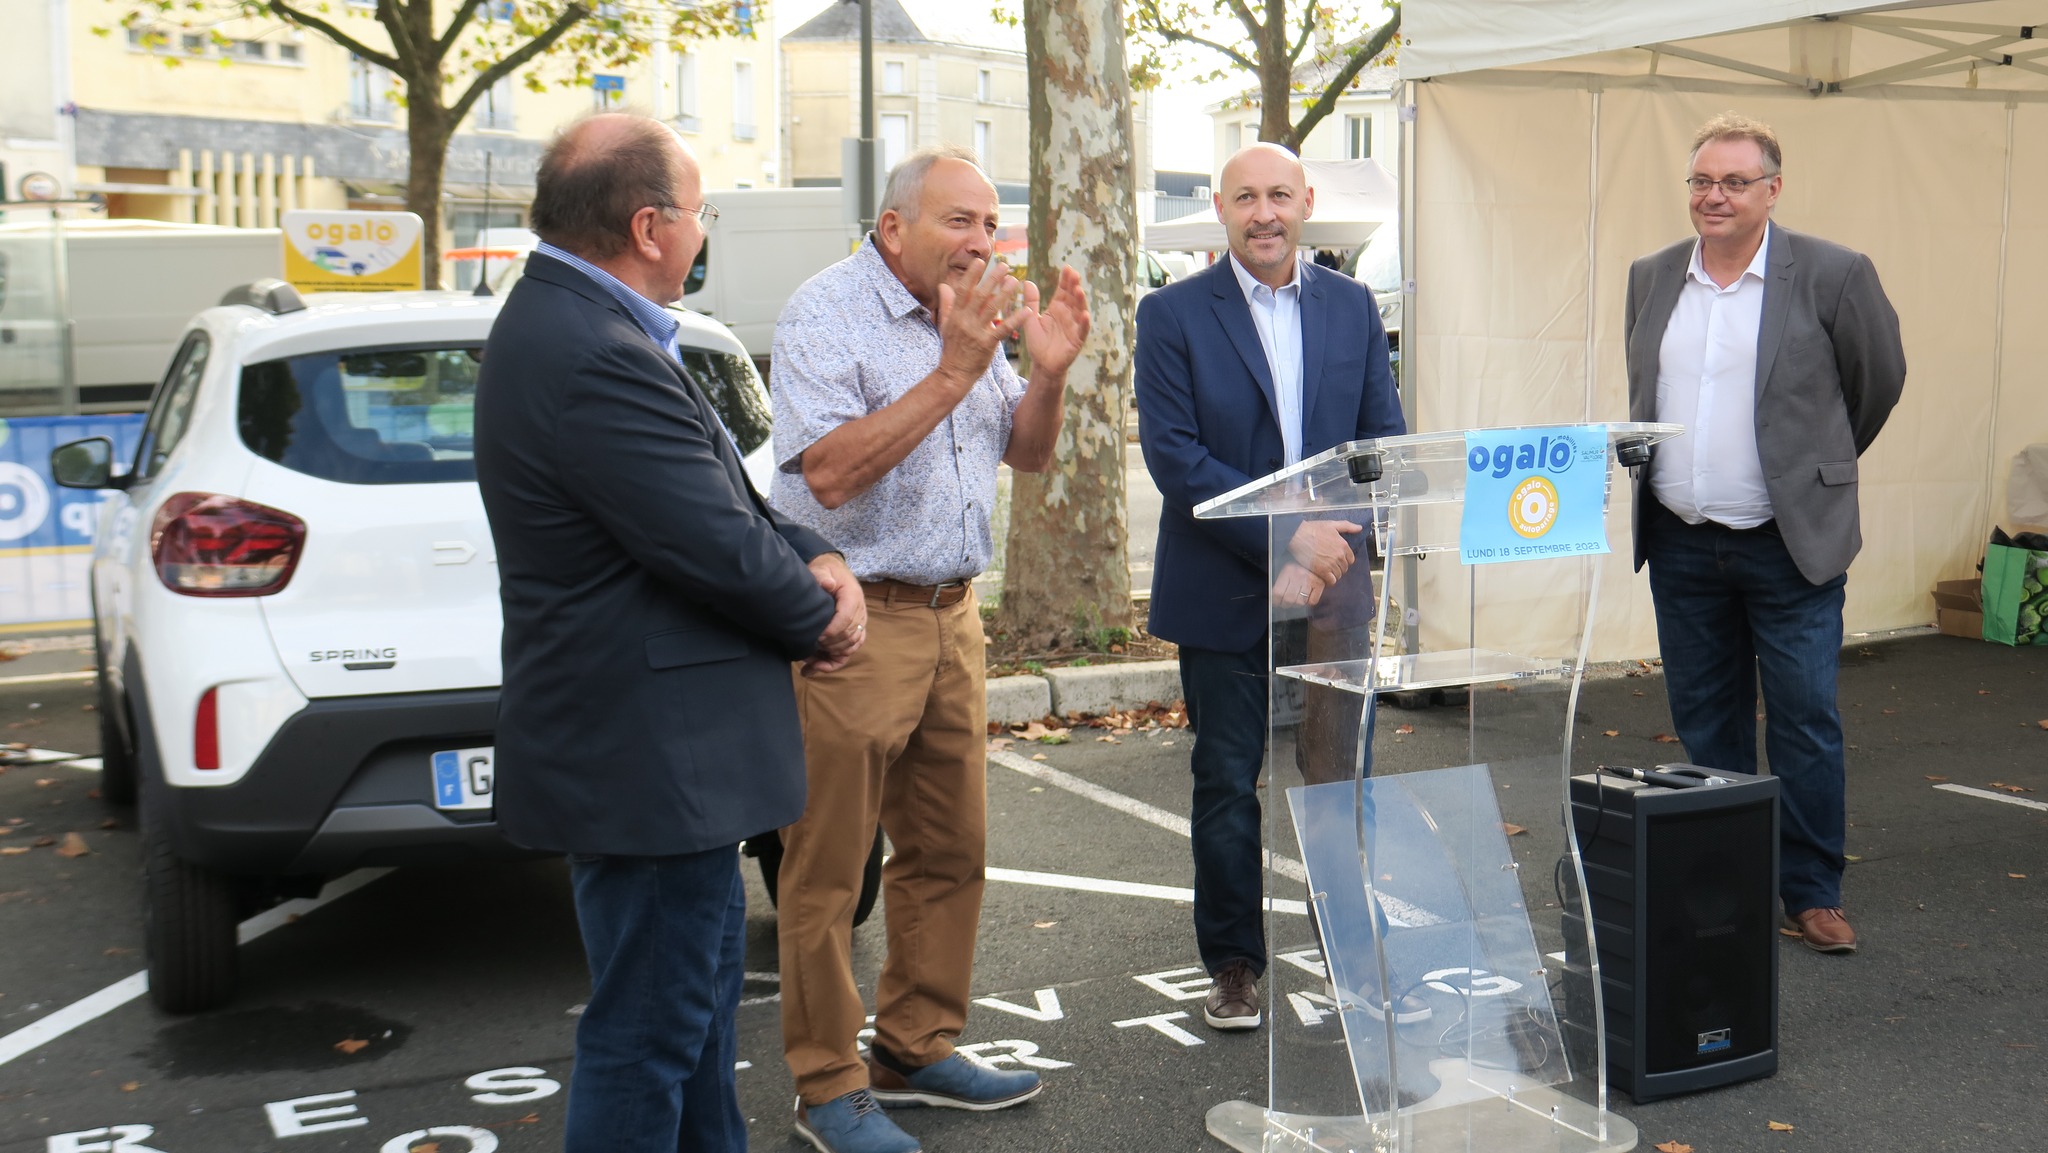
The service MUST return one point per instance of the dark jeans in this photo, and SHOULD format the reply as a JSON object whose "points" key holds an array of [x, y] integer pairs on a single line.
{"points": [[1227, 704], [666, 939], [1733, 608]]}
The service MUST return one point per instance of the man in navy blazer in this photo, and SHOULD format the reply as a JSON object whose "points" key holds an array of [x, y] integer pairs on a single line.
{"points": [[652, 604], [1248, 366]]}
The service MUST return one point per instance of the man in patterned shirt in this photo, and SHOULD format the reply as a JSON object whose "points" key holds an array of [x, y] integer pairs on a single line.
{"points": [[892, 411]]}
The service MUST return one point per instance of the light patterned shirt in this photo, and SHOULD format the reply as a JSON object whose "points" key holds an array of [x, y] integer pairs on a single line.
{"points": [[853, 341]]}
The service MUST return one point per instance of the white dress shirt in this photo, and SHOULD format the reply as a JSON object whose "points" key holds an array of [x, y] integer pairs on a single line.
{"points": [[1706, 381], [1277, 315]]}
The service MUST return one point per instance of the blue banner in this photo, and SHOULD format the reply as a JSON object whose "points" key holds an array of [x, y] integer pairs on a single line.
{"points": [[1533, 494], [46, 532]]}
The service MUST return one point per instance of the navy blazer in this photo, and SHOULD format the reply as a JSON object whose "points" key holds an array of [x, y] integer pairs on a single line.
{"points": [[653, 601], [1207, 423]]}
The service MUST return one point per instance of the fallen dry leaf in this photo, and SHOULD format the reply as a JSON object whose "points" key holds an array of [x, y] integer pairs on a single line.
{"points": [[130, 1086], [1889, 712], [45, 782], [1665, 739], [530, 1119], [1038, 756], [2043, 724], [16, 820], [998, 745], [1779, 1127], [1512, 829], [73, 846], [1983, 692], [1043, 924], [351, 1046], [43, 842], [424, 1147], [1404, 729], [1610, 732], [116, 951], [1931, 777], [13, 850], [111, 823], [1109, 740], [2010, 788], [2017, 876], [6, 830], [1674, 1147]]}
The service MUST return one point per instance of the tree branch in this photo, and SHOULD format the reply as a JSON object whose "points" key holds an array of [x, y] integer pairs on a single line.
{"points": [[1308, 28], [1366, 54], [402, 46], [291, 15], [571, 16], [456, 23], [1150, 14], [1249, 19]]}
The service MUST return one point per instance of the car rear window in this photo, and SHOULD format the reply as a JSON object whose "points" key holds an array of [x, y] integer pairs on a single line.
{"points": [[734, 389], [369, 416]]}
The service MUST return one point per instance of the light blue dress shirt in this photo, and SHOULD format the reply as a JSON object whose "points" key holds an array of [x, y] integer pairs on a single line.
{"points": [[1277, 315]]}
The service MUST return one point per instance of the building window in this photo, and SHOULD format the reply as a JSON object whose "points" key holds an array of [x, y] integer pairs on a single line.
{"points": [[493, 112], [607, 92], [742, 100], [288, 53], [895, 129], [685, 108], [892, 76], [1358, 137], [195, 43], [252, 50], [369, 91], [985, 86], [985, 142]]}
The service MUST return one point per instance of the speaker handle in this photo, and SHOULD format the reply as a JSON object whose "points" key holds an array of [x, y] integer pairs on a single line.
{"points": [[1668, 776]]}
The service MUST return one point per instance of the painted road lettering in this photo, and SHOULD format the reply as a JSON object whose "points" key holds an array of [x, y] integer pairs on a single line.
{"points": [[994, 1053], [1048, 1006], [113, 1139], [516, 1084], [296, 1117], [1164, 1023], [1192, 989]]}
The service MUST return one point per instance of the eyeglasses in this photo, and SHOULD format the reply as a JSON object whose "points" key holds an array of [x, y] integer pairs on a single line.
{"points": [[706, 212], [1732, 185]]}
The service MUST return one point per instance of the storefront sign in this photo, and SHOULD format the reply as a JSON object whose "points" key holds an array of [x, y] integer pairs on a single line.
{"points": [[1534, 493], [351, 251]]}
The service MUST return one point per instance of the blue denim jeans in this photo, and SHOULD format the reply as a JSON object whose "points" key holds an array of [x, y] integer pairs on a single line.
{"points": [[1226, 695], [1732, 608], [666, 941]]}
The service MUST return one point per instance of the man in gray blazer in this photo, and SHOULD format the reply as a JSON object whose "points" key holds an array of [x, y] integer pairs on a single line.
{"points": [[1780, 354]]}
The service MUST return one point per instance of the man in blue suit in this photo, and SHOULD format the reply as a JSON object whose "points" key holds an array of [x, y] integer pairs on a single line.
{"points": [[1242, 369], [652, 602]]}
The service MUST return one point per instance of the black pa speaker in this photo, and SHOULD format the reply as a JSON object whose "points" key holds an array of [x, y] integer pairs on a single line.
{"points": [[1682, 879]]}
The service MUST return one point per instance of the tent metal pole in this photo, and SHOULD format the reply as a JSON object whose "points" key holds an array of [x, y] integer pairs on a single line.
{"points": [[1410, 113], [1998, 319], [1732, 65], [1592, 258]]}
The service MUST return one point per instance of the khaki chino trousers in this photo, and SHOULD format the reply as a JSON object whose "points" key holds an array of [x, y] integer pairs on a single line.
{"points": [[900, 735]]}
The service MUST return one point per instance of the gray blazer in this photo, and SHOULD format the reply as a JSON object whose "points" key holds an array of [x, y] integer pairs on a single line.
{"points": [[1829, 368]]}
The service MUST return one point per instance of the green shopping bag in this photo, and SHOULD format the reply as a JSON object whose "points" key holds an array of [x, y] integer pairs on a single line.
{"points": [[2015, 599]]}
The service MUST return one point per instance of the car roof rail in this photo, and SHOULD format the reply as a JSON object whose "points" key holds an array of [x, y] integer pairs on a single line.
{"points": [[270, 294]]}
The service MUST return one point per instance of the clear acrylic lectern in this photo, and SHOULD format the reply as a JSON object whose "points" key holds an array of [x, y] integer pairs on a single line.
{"points": [[1422, 877]]}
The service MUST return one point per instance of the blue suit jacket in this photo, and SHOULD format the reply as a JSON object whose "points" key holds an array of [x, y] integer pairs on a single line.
{"points": [[1207, 423], [653, 601]]}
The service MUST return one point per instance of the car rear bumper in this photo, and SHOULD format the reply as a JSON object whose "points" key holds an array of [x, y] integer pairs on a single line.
{"points": [[345, 783]]}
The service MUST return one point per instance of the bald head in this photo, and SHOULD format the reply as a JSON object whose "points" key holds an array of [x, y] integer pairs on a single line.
{"points": [[599, 172], [1262, 198]]}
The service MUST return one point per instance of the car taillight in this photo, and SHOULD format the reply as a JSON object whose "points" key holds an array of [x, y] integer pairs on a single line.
{"points": [[206, 732], [207, 545]]}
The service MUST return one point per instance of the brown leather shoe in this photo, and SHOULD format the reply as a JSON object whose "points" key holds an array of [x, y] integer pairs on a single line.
{"points": [[1234, 1001], [1823, 930]]}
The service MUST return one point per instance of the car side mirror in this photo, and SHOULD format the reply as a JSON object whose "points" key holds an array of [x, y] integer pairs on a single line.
{"points": [[87, 463]]}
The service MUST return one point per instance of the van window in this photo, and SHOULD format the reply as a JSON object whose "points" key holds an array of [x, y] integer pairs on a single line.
{"points": [[734, 389], [370, 416], [171, 415]]}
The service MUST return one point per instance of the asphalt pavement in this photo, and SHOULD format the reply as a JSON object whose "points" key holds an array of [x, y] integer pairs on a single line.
{"points": [[437, 1006]]}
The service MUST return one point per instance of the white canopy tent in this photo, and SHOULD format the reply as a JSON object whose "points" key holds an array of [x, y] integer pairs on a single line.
{"points": [[1545, 152], [1353, 197]]}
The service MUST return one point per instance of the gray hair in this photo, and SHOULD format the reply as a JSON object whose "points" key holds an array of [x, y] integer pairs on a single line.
{"points": [[904, 194]]}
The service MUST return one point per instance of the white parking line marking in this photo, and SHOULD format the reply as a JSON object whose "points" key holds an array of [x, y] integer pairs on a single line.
{"points": [[45, 678], [91, 1008], [1118, 888], [1991, 796], [1396, 908]]}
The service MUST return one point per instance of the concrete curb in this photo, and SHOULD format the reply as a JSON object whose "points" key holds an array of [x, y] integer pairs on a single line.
{"points": [[1091, 689]]}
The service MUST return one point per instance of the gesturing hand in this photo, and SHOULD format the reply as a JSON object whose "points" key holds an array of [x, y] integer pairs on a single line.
{"points": [[1319, 546], [973, 324], [848, 628], [1054, 335]]}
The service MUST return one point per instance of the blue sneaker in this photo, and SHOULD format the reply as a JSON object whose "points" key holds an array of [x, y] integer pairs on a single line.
{"points": [[954, 1083], [854, 1123]]}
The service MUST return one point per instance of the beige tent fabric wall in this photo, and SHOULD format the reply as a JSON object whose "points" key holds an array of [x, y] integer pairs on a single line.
{"points": [[1915, 181], [2022, 417]]}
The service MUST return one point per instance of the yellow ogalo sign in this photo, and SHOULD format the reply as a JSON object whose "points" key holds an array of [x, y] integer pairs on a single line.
{"points": [[348, 251]]}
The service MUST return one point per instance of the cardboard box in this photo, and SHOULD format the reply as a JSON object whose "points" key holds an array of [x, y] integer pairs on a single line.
{"points": [[1959, 608]]}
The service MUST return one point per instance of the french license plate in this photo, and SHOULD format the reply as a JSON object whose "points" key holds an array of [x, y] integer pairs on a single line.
{"points": [[464, 779]]}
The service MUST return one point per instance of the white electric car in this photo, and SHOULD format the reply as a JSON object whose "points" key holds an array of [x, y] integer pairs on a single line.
{"points": [[296, 604]]}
